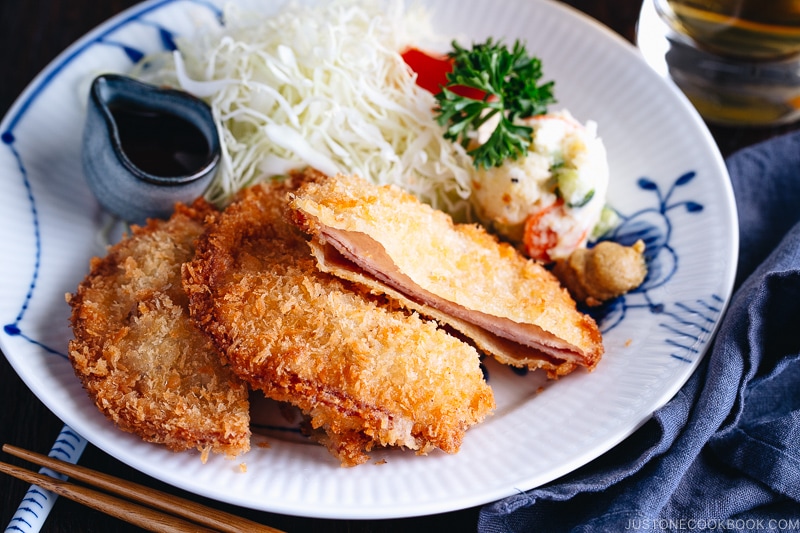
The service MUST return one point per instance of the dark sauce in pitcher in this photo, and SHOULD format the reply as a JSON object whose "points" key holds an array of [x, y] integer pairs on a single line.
{"points": [[160, 143]]}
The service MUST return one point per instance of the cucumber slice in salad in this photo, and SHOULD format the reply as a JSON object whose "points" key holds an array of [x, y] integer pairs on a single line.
{"points": [[574, 191]]}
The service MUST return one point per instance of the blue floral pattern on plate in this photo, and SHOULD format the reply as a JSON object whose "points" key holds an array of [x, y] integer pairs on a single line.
{"points": [[680, 320]]}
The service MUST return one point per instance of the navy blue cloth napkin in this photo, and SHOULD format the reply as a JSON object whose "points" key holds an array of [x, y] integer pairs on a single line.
{"points": [[724, 453]]}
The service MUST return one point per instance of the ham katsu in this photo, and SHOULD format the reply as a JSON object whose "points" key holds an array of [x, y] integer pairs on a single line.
{"points": [[138, 354], [391, 243], [365, 373]]}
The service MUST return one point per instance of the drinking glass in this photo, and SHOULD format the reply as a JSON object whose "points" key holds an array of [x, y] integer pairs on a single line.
{"points": [[738, 61]]}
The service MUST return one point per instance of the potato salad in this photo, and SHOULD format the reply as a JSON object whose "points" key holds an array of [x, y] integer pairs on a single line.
{"points": [[552, 198]]}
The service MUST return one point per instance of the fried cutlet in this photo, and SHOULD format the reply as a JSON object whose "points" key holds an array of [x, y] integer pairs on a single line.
{"points": [[387, 240], [365, 375], [138, 354]]}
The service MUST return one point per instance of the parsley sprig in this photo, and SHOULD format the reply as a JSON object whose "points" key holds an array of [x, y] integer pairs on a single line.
{"points": [[508, 81]]}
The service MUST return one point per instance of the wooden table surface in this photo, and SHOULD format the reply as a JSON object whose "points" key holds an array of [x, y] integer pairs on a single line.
{"points": [[31, 35]]}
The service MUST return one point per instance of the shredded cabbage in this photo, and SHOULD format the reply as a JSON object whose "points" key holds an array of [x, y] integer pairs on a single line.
{"points": [[324, 86]]}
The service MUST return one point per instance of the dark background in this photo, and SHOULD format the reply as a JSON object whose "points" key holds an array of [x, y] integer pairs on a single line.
{"points": [[32, 33]]}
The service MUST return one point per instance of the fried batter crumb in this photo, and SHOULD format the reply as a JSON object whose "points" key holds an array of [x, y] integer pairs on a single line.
{"points": [[364, 375], [137, 353]]}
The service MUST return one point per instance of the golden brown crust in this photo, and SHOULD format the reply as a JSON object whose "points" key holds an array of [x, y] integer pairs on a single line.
{"points": [[366, 376], [139, 356], [458, 269], [503, 350]]}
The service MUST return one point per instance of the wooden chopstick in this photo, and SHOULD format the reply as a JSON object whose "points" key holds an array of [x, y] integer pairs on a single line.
{"points": [[146, 516]]}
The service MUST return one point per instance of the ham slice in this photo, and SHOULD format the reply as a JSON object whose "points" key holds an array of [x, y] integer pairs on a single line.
{"points": [[383, 238]]}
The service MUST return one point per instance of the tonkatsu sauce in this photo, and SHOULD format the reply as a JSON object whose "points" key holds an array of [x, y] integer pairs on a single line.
{"points": [[160, 143]]}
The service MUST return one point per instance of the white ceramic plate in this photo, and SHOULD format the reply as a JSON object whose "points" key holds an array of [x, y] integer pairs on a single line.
{"points": [[668, 182]]}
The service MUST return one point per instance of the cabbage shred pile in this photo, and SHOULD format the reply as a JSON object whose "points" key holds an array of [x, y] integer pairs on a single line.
{"points": [[324, 86]]}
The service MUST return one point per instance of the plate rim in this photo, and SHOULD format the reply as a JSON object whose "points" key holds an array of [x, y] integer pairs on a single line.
{"points": [[25, 99]]}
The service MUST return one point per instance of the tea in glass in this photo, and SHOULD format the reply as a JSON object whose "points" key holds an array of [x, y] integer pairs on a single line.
{"points": [[738, 61], [748, 29]]}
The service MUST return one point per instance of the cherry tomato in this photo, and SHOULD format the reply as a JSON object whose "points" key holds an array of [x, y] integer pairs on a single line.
{"points": [[432, 72]]}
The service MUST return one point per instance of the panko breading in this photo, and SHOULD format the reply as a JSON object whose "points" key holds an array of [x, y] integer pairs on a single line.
{"points": [[138, 354], [386, 239], [365, 375]]}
